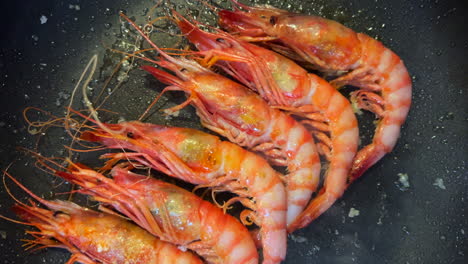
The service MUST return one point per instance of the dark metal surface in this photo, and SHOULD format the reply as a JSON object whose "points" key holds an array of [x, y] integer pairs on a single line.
{"points": [[40, 63]]}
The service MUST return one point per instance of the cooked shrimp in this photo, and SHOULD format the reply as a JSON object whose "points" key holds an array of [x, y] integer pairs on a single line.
{"points": [[237, 113], [170, 213], [284, 84], [204, 159], [333, 48], [94, 237]]}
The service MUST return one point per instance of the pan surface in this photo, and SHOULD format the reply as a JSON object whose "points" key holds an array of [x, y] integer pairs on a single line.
{"points": [[45, 45]]}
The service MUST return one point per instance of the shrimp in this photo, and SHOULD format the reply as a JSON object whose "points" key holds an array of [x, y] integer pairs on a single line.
{"points": [[94, 237], [171, 213], [284, 84], [203, 159], [235, 112], [335, 49]]}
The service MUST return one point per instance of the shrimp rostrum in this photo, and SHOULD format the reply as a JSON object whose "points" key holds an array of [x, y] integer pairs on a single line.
{"points": [[169, 212], [286, 85], [330, 47], [94, 237], [237, 113]]}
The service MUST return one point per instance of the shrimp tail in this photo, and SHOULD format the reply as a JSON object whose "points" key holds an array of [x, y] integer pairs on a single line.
{"points": [[316, 207], [364, 159], [391, 106]]}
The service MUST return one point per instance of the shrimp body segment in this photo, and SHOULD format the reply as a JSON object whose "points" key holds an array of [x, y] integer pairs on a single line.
{"points": [[284, 84], [203, 159], [237, 113], [170, 213], [95, 237], [384, 82]]}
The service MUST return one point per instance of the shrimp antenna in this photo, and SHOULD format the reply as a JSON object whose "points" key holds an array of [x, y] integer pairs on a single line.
{"points": [[13, 197], [72, 97], [40, 237], [210, 6], [137, 28], [93, 65], [238, 4], [42, 161], [168, 59], [37, 198], [178, 17], [155, 6]]}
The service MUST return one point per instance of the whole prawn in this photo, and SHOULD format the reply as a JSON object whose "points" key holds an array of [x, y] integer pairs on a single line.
{"points": [[286, 85], [335, 49], [170, 213], [203, 159], [94, 237], [237, 113]]}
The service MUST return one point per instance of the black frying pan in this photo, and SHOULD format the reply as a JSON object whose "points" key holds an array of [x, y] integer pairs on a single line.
{"points": [[40, 63]]}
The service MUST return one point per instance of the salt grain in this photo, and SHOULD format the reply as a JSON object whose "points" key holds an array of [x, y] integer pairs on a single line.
{"points": [[43, 19], [404, 180], [353, 212], [298, 239], [439, 182], [76, 7]]}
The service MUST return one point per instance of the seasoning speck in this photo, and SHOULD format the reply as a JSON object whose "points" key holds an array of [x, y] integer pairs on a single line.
{"points": [[298, 239], [182, 248], [403, 181], [353, 212], [174, 114], [43, 19], [439, 182], [76, 7], [355, 106]]}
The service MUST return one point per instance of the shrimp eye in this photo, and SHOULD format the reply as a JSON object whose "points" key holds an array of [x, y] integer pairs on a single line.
{"points": [[130, 135], [221, 40], [183, 70], [273, 20], [58, 213]]}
